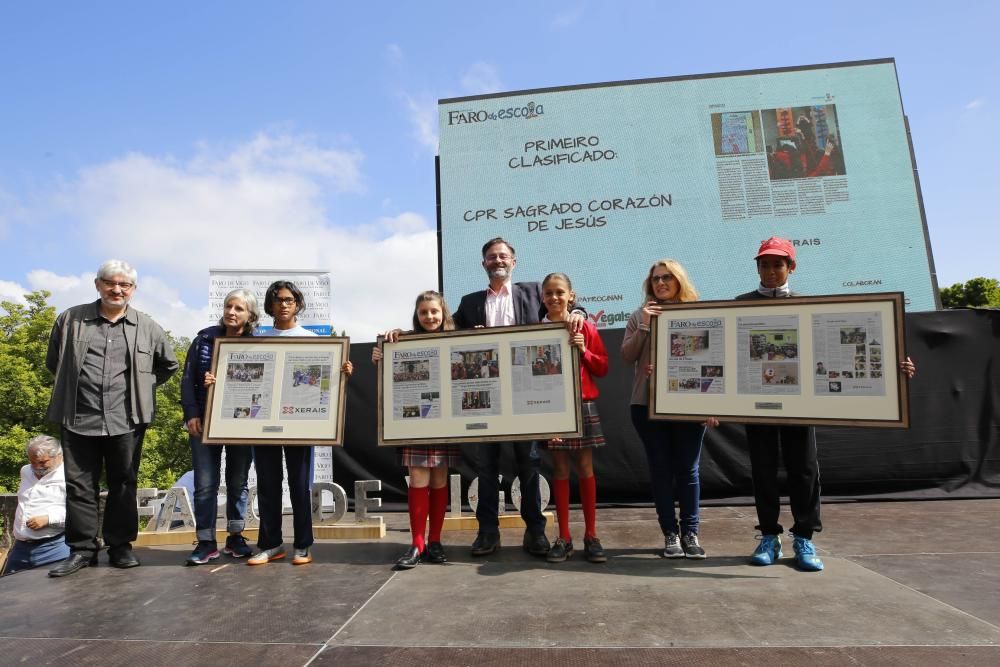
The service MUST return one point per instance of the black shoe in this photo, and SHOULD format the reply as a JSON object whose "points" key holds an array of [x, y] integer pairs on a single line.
{"points": [[486, 544], [692, 549], [74, 563], [536, 545], [409, 560], [122, 557], [560, 551], [593, 550], [434, 553]]}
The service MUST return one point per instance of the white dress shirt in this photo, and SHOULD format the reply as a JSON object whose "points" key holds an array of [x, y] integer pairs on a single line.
{"points": [[38, 497], [500, 306]]}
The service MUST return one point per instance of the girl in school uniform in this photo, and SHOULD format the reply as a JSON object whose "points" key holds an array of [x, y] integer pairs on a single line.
{"points": [[558, 297], [428, 465]]}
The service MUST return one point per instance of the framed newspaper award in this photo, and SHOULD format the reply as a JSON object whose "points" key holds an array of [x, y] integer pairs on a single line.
{"points": [[825, 360], [479, 385], [277, 391]]}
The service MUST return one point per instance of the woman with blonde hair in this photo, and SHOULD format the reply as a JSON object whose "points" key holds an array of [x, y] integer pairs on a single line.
{"points": [[673, 448]]}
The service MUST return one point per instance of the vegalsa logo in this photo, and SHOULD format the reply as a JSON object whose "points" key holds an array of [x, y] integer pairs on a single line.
{"points": [[604, 319], [465, 116]]}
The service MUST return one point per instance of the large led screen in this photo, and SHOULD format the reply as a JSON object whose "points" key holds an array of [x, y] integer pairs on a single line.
{"points": [[599, 181]]}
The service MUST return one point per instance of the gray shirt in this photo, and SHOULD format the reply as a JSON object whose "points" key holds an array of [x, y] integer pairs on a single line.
{"points": [[102, 392]]}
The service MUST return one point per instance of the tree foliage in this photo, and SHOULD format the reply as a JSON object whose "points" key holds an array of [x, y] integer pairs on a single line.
{"points": [[26, 386], [975, 293]]}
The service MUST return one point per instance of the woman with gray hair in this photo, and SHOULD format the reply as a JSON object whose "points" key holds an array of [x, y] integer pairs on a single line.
{"points": [[40, 517], [239, 318]]}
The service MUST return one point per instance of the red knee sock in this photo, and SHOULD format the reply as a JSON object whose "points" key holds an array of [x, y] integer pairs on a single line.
{"points": [[419, 501], [439, 505], [588, 498], [560, 489]]}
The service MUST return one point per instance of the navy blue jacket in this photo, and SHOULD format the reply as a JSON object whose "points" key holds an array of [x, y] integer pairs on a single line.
{"points": [[198, 362]]}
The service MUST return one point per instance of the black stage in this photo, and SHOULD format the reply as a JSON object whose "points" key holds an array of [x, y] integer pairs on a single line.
{"points": [[905, 583]]}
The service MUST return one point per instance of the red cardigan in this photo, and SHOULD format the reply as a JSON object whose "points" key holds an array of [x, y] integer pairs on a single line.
{"points": [[594, 362]]}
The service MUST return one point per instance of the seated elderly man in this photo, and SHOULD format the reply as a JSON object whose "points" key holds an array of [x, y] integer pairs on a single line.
{"points": [[41, 508]]}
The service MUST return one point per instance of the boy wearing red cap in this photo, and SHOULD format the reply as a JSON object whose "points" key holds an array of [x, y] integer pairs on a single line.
{"points": [[796, 445]]}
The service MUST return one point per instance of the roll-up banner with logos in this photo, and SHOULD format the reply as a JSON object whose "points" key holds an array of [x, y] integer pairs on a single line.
{"points": [[314, 284]]}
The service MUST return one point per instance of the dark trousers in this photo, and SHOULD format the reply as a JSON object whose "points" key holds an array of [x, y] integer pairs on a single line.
{"points": [[673, 450], [85, 457], [298, 460], [796, 447], [488, 470]]}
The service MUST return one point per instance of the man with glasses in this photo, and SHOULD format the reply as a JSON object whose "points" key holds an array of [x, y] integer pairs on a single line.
{"points": [[506, 303], [107, 360]]}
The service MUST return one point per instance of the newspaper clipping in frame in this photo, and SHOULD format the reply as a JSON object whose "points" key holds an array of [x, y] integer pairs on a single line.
{"points": [[697, 355], [249, 380], [847, 348], [475, 380], [416, 384], [768, 355], [305, 392], [537, 379]]}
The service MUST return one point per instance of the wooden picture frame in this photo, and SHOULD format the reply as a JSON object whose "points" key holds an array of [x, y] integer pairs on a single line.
{"points": [[823, 360], [479, 385], [277, 391]]}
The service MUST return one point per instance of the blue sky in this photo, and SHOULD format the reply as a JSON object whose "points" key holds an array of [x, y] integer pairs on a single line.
{"points": [[187, 135]]}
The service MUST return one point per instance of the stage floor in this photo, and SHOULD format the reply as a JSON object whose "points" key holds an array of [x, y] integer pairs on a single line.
{"points": [[905, 583]]}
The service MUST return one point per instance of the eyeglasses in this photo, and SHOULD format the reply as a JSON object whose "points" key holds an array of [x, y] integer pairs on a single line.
{"points": [[500, 255], [287, 301], [661, 279], [122, 286]]}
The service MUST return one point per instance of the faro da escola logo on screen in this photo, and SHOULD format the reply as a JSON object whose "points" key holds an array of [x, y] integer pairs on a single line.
{"points": [[466, 116]]}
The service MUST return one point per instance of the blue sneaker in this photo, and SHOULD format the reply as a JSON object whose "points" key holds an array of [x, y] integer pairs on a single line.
{"points": [[805, 555], [204, 552], [768, 551], [237, 547]]}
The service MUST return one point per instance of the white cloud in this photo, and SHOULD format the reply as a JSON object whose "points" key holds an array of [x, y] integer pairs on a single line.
{"points": [[11, 291], [976, 104], [259, 205], [480, 79], [423, 112]]}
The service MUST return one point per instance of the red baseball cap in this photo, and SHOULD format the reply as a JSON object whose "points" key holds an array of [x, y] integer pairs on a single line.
{"points": [[777, 246]]}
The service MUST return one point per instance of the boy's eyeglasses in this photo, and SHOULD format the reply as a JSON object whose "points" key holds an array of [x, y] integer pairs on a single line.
{"points": [[661, 279]]}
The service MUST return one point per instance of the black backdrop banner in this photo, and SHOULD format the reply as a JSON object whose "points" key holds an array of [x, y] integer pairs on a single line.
{"points": [[952, 448]]}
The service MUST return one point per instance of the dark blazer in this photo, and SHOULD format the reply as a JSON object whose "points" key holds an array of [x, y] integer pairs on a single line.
{"points": [[528, 307]]}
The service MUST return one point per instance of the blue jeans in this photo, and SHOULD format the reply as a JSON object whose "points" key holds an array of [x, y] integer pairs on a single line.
{"points": [[26, 555], [206, 460], [673, 450]]}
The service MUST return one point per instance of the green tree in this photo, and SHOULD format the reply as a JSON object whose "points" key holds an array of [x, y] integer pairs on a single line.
{"points": [[26, 385], [976, 293], [166, 454]]}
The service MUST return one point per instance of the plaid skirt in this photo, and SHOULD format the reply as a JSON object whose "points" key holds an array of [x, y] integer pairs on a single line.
{"points": [[431, 456], [593, 436]]}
